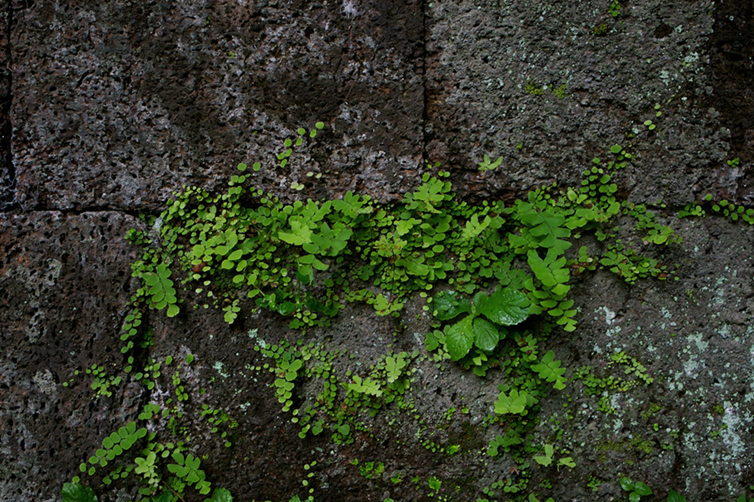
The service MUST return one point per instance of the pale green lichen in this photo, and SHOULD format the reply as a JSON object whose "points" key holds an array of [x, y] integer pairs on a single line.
{"points": [[218, 366]]}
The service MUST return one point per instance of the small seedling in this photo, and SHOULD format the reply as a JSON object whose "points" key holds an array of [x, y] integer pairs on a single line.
{"points": [[636, 490], [614, 8], [488, 165]]}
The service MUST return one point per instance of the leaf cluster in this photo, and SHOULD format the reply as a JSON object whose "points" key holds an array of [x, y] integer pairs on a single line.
{"points": [[505, 307]]}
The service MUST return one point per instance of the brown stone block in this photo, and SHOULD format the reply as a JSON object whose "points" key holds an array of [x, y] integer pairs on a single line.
{"points": [[64, 284], [117, 104]]}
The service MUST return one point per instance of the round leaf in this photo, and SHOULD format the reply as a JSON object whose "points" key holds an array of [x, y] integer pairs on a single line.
{"points": [[505, 307], [221, 495], [459, 338], [75, 492], [486, 334], [674, 496], [449, 304], [642, 489], [627, 484]]}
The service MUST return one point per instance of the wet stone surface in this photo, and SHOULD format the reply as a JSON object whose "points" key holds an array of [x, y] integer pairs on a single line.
{"points": [[107, 108], [117, 104]]}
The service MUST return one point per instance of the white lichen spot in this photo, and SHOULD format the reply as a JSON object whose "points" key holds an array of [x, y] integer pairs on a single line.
{"points": [[609, 315], [731, 438], [696, 339], [617, 425], [218, 366], [690, 367], [349, 9], [613, 331]]}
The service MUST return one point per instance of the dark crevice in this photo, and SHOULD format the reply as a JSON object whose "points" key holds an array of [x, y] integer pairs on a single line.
{"points": [[7, 171], [425, 89], [731, 72], [93, 209]]}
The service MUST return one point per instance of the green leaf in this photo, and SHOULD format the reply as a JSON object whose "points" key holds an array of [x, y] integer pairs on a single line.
{"points": [[505, 306], [220, 495], [459, 338], [173, 310], [178, 470], [160, 288], [550, 370], [473, 228], [547, 229], [514, 402], [627, 484], [545, 459], [642, 489], [566, 461], [634, 497], [674, 496], [75, 492], [300, 234], [486, 334], [449, 304]]}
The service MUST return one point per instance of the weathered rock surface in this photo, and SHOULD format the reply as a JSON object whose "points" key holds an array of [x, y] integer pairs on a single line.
{"points": [[64, 283], [118, 104], [108, 107]]}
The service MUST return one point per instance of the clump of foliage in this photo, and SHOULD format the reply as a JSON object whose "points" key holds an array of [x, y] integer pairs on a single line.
{"points": [[506, 269], [636, 489], [289, 257]]}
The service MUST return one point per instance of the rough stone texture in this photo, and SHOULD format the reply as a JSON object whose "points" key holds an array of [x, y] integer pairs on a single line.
{"points": [[695, 336], [113, 105], [7, 173], [482, 55], [117, 104], [64, 284]]}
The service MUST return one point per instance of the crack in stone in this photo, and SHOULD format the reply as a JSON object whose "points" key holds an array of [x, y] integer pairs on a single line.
{"points": [[425, 114], [7, 170]]}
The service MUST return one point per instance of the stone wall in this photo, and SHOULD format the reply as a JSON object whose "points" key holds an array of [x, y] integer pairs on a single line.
{"points": [[108, 107]]}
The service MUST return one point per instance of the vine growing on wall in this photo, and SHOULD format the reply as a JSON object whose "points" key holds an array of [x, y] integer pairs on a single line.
{"points": [[495, 277]]}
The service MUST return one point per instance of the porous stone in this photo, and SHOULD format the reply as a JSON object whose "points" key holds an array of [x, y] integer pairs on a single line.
{"points": [[108, 107], [118, 104]]}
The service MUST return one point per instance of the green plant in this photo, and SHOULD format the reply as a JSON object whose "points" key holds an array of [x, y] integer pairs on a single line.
{"points": [[550, 370], [434, 485], [533, 498], [533, 89], [594, 483], [220, 495], [559, 92], [76, 492], [505, 307], [600, 30], [306, 259], [674, 496], [547, 459], [161, 292], [187, 469], [636, 489], [488, 165], [614, 8]]}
